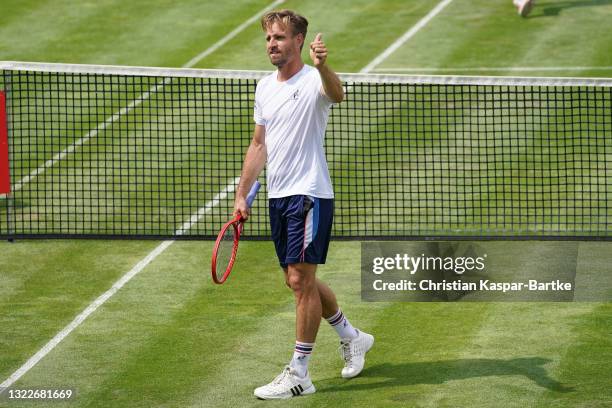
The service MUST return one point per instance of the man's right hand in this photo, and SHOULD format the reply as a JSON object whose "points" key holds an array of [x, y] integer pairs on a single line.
{"points": [[241, 208]]}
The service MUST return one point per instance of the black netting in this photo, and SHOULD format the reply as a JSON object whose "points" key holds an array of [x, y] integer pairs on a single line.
{"points": [[142, 156]]}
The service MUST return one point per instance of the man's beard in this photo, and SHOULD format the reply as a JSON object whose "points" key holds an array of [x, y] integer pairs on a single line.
{"points": [[279, 63], [282, 58]]}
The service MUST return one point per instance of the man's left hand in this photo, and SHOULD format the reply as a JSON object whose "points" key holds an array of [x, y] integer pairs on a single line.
{"points": [[318, 51]]}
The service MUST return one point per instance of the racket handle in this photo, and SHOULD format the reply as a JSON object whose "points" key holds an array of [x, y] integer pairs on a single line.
{"points": [[251, 196]]}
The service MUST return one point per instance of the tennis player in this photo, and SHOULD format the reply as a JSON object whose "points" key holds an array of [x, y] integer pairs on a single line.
{"points": [[524, 6], [291, 111]]}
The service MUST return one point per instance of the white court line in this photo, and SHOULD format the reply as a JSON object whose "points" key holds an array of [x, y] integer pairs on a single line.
{"points": [[479, 69], [154, 254], [231, 35], [136, 102], [118, 285], [91, 134], [405, 37]]}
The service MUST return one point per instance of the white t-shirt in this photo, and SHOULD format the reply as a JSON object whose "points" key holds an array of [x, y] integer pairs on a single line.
{"points": [[294, 114]]}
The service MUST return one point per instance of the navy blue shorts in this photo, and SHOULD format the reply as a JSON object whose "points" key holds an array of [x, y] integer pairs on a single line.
{"points": [[301, 228]]}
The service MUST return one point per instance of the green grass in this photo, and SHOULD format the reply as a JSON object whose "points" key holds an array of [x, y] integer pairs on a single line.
{"points": [[485, 34], [171, 338]]}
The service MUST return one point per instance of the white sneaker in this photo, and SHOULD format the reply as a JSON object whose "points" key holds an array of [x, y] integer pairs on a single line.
{"points": [[353, 353], [285, 386], [525, 7]]}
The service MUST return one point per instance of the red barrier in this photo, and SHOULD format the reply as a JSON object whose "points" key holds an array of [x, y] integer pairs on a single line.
{"points": [[5, 175]]}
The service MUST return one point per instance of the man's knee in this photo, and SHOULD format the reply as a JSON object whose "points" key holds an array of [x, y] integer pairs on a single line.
{"points": [[300, 279], [298, 282]]}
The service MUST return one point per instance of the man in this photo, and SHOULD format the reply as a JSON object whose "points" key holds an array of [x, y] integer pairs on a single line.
{"points": [[524, 6], [291, 112]]}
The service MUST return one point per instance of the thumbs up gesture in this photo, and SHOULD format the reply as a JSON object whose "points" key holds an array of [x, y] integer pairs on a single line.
{"points": [[318, 51]]}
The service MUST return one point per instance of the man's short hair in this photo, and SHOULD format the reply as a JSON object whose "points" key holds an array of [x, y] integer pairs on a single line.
{"points": [[286, 18]]}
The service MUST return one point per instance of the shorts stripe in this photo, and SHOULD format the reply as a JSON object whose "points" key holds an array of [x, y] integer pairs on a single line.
{"points": [[308, 232]]}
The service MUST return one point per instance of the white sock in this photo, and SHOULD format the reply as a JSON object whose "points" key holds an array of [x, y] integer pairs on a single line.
{"points": [[342, 326], [301, 356]]}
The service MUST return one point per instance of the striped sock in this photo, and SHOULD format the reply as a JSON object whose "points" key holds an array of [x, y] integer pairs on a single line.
{"points": [[301, 355], [342, 326]]}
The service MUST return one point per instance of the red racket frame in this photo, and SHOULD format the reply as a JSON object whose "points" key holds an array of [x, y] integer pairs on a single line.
{"points": [[236, 223]]}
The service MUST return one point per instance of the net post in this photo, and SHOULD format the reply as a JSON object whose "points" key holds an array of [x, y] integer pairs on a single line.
{"points": [[5, 175]]}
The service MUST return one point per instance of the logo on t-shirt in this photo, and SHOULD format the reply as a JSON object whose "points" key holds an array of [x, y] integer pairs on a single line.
{"points": [[295, 95]]}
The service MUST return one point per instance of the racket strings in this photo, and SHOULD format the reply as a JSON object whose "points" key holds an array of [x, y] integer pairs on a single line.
{"points": [[226, 252]]}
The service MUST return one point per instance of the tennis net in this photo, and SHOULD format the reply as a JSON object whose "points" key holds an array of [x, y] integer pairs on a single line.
{"points": [[102, 151]]}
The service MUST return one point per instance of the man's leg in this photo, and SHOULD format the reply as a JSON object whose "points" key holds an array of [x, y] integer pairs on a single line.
{"points": [[310, 304], [333, 314], [302, 281], [295, 380], [354, 344], [329, 305]]}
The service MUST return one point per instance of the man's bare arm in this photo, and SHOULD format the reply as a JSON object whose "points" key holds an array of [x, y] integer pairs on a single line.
{"points": [[254, 162], [332, 86]]}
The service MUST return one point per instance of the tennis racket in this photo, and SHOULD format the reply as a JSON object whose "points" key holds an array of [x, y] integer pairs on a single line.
{"points": [[226, 245]]}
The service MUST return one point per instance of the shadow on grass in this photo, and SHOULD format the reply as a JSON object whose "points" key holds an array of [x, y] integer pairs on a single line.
{"points": [[438, 372], [551, 9]]}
